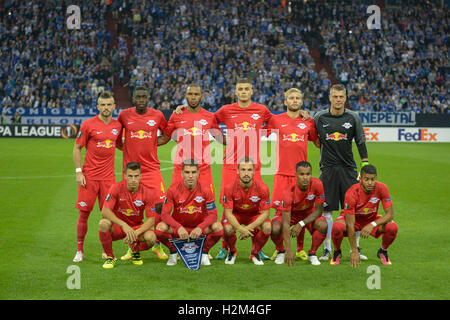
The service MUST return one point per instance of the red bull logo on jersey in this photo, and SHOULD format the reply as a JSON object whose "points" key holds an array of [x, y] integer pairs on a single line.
{"points": [[194, 131], [128, 212], [141, 134], [366, 211], [105, 144], [245, 126], [293, 137], [190, 209], [336, 136]]}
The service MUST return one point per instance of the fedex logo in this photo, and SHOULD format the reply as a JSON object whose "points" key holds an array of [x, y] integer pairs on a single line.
{"points": [[371, 135], [419, 135]]}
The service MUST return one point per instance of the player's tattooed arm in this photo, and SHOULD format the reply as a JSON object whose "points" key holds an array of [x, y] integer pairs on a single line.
{"points": [[314, 215]]}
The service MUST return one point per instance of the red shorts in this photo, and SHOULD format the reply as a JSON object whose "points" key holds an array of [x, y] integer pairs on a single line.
{"points": [[205, 176], [296, 218], [88, 195], [280, 184], [229, 174], [118, 232], [359, 226], [154, 181], [242, 218]]}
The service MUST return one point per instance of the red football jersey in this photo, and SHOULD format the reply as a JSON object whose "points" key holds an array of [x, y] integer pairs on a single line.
{"points": [[243, 131], [251, 201], [191, 131], [303, 202], [365, 206], [141, 137], [128, 206], [189, 208], [292, 137], [99, 139]]}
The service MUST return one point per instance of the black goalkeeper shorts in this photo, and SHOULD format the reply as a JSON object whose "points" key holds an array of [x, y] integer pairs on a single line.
{"points": [[336, 181]]}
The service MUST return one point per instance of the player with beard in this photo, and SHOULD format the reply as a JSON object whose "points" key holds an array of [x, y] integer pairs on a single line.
{"points": [[99, 135], [191, 130], [246, 201]]}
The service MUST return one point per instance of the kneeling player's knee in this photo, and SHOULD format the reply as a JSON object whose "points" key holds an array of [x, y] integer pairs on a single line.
{"points": [[266, 227], [338, 228], [276, 228], [150, 237], [321, 226], [104, 225], [391, 228], [228, 229], [216, 226], [162, 227]]}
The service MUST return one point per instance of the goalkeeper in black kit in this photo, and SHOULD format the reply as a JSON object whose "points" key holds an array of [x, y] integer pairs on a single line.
{"points": [[336, 128]]}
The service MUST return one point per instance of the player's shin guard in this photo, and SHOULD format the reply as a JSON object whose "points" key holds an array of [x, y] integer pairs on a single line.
{"points": [[165, 237], [329, 218], [337, 235], [278, 241], [82, 227], [230, 241], [317, 239], [212, 239], [389, 235], [259, 241], [106, 241]]}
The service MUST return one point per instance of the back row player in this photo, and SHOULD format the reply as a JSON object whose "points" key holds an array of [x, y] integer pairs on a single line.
{"points": [[336, 128], [244, 120]]}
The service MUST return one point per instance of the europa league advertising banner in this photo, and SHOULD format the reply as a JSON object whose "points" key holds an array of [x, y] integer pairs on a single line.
{"points": [[38, 131]]}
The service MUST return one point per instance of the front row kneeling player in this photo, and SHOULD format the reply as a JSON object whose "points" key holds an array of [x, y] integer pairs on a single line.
{"points": [[301, 207], [246, 201], [361, 214], [123, 213], [189, 212]]}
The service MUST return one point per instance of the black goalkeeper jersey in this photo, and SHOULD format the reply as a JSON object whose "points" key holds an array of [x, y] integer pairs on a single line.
{"points": [[336, 134]]}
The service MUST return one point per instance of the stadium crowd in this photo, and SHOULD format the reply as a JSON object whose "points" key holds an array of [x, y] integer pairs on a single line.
{"points": [[403, 66], [45, 65], [215, 42]]}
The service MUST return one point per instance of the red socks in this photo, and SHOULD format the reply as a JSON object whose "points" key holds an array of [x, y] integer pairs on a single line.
{"points": [[278, 241], [259, 240], [317, 239], [82, 227], [337, 234], [230, 241], [300, 240], [165, 237], [211, 239], [389, 235], [106, 241]]}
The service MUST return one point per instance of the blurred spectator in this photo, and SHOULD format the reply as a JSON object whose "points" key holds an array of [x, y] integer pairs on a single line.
{"points": [[17, 118]]}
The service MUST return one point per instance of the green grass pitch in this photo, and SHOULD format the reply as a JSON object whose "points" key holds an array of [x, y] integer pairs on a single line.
{"points": [[38, 237]]}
